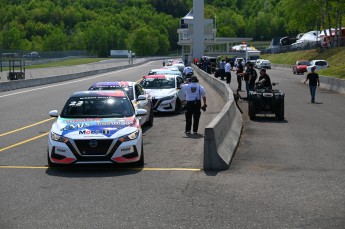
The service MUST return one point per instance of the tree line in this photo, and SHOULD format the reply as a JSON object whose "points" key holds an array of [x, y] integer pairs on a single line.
{"points": [[149, 27]]}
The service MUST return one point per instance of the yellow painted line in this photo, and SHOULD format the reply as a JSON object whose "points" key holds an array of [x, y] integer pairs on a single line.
{"points": [[25, 127], [23, 142], [144, 169], [22, 167], [168, 169]]}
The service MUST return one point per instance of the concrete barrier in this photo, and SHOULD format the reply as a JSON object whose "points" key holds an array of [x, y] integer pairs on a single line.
{"points": [[333, 84], [37, 77], [223, 134]]}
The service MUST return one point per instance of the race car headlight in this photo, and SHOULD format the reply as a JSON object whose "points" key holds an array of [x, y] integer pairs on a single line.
{"points": [[58, 138], [168, 97], [129, 137]]}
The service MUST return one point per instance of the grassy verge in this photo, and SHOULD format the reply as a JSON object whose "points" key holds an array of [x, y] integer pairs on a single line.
{"points": [[69, 62], [334, 57]]}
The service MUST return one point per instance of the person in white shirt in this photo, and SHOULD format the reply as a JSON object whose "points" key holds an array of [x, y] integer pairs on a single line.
{"points": [[228, 69], [194, 93]]}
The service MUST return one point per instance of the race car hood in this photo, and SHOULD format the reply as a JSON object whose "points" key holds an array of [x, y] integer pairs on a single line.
{"points": [[160, 93], [95, 128]]}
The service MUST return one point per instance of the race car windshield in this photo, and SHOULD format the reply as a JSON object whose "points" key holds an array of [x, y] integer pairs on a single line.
{"points": [[127, 89], [158, 83], [100, 107]]}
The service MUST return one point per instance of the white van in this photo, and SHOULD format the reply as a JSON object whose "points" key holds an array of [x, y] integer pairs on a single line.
{"points": [[237, 60]]}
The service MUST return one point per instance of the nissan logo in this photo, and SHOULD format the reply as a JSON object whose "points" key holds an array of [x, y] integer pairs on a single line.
{"points": [[93, 143]]}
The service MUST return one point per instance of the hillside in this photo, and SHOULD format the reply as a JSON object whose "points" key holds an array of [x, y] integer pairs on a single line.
{"points": [[334, 57]]}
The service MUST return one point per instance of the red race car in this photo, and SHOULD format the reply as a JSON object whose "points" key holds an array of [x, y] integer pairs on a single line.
{"points": [[300, 67]]}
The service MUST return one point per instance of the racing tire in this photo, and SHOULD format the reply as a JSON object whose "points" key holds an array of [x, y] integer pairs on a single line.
{"points": [[150, 121], [142, 158], [280, 111], [294, 72], [251, 110], [178, 106], [52, 164]]}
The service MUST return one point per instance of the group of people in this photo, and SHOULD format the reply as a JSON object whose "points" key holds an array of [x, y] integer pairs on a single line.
{"points": [[245, 73], [194, 94]]}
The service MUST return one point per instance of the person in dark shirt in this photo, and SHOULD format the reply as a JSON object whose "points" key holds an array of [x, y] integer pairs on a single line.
{"points": [[239, 71], [250, 77], [314, 81], [264, 79]]}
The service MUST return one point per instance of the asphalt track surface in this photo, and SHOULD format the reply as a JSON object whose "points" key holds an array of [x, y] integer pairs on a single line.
{"points": [[285, 174]]}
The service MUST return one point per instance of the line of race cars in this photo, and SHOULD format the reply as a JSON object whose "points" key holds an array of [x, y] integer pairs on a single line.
{"points": [[103, 124]]}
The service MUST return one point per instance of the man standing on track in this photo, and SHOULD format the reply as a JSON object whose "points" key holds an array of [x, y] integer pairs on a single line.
{"points": [[239, 72], [314, 81], [227, 71], [194, 93]]}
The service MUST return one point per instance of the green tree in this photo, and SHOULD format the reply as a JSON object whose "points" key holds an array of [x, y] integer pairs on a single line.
{"points": [[12, 37], [144, 42], [55, 41]]}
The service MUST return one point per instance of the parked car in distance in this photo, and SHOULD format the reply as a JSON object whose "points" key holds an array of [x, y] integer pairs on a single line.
{"points": [[265, 64], [300, 67], [237, 60], [32, 55], [10, 54], [318, 64], [257, 62]]}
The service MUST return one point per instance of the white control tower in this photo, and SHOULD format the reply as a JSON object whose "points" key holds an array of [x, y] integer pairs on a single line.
{"points": [[198, 36]]}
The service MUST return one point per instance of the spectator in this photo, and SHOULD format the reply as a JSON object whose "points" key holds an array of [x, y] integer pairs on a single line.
{"points": [[264, 79], [239, 71], [222, 69], [250, 77], [227, 70], [314, 81]]}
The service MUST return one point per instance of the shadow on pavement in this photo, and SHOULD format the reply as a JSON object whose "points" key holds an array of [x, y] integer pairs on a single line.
{"points": [[92, 170]]}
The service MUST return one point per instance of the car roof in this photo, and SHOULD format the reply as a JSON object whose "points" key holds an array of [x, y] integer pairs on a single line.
{"points": [[171, 68], [319, 60], [111, 93], [114, 83], [160, 76], [165, 71]]}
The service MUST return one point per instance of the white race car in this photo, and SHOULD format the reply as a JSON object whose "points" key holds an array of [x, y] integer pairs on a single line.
{"points": [[163, 91], [164, 71], [96, 127], [135, 92]]}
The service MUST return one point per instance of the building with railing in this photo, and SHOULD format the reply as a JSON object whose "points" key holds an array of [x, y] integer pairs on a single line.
{"points": [[212, 45]]}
